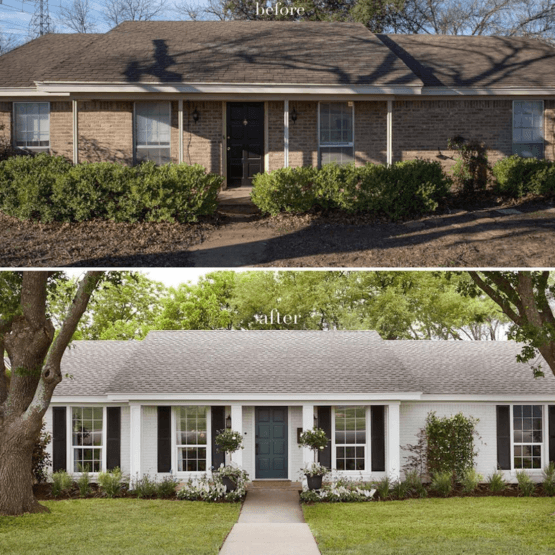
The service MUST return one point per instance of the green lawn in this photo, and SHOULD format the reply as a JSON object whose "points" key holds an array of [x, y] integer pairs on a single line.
{"points": [[473, 526], [110, 526]]}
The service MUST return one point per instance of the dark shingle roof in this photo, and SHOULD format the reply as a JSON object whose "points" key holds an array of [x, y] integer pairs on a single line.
{"points": [[476, 61], [219, 52]]}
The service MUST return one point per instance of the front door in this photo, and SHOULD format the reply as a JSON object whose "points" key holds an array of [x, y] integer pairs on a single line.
{"points": [[245, 142], [271, 442]]}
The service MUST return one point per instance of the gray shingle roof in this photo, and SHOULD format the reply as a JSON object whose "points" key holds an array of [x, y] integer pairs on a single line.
{"points": [[291, 362], [476, 61]]}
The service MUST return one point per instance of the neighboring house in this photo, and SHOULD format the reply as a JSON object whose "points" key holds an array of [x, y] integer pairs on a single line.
{"points": [[243, 97], [154, 406]]}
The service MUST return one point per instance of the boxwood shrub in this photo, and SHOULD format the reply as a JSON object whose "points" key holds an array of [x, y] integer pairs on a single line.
{"points": [[48, 188], [398, 191], [516, 176]]}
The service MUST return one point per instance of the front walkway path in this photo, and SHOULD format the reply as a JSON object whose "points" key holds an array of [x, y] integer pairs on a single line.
{"points": [[271, 523]]}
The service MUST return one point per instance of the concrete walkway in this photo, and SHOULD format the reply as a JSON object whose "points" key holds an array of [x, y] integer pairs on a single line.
{"points": [[271, 523]]}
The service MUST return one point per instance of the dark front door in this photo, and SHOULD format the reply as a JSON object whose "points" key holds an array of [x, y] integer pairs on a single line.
{"points": [[245, 142], [271, 442]]}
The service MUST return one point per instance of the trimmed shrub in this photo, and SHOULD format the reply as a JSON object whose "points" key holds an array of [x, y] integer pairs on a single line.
{"points": [[549, 479], [61, 483], [516, 176], [442, 483], [84, 484], [470, 480], [526, 485], [496, 482], [111, 482]]}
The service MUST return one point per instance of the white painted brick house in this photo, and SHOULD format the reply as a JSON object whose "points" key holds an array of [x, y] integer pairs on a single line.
{"points": [[153, 407]]}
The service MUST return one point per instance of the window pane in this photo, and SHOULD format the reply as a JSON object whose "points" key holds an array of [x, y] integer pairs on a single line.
{"points": [[339, 155], [350, 437], [336, 123], [32, 124], [191, 432], [528, 128]]}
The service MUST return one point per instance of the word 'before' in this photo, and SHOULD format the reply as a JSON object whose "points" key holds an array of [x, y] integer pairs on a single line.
{"points": [[276, 10]]}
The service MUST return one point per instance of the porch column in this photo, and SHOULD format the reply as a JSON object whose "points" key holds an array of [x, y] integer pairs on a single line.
{"points": [[286, 133], [393, 460], [237, 426], [75, 132], [180, 126], [308, 424], [135, 428], [389, 132]]}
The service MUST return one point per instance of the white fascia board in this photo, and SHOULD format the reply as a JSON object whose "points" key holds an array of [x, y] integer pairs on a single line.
{"points": [[25, 92], [51, 87], [262, 399], [508, 398], [479, 91], [78, 399]]}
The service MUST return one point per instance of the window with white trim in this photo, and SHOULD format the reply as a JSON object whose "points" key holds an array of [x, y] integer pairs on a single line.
{"points": [[32, 125], [350, 437], [192, 436], [528, 128], [336, 141], [152, 132], [527, 436], [87, 428]]}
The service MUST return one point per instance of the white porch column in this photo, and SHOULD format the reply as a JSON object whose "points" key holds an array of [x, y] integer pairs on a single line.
{"points": [[135, 428], [308, 424], [237, 426], [180, 126], [286, 134], [75, 133], [393, 461], [389, 132]]}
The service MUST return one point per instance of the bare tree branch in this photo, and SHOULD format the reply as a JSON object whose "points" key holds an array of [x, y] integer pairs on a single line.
{"points": [[78, 16]]}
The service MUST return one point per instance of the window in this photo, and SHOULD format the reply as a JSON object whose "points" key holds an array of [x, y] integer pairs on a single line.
{"points": [[336, 132], [191, 439], [87, 427], [528, 128], [152, 132], [350, 438], [32, 125], [528, 436]]}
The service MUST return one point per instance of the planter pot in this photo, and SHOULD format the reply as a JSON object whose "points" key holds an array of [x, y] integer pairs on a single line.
{"points": [[229, 484], [314, 482]]}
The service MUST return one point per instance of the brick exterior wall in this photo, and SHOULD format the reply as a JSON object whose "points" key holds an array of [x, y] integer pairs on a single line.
{"points": [[370, 133], [105, 131], [303, 134], [61, 129], [6, 122], [549, 123], [202, 141], [421, 127], [275, 135]]}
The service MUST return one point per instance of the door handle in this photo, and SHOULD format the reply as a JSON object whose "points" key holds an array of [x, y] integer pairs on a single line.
{"points": [[228, 148]]}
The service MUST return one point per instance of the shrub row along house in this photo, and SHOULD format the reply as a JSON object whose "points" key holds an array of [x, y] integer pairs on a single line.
{"points": [[244, 97], [154, 407]]}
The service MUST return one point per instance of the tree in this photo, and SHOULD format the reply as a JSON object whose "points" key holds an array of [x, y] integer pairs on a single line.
{"points": [[118, 11], [78, 16], [35, 350], [7, 42], [526, 298]]}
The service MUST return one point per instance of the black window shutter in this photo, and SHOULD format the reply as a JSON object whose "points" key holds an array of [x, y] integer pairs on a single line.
{"points": [[377, 446], [324, 422], [218, 424], [504, 437], [113, 433], [59, 439], [164, 439], [551, 424]]}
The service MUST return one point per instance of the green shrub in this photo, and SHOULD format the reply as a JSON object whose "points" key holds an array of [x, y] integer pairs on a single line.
{"points": [[526, 486], [496, 482], [383, 487], [414, 484], [41, 457], [166, 488], [442, 483], [516, 176], [111, 482], [549, 479], [145, 488], [400, 489], [84, 484], [470, 480], [285, 190], [471, 170], [61, 483]]}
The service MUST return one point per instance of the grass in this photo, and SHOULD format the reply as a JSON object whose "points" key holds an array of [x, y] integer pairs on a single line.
{"points": [[111, 526], [477, 526]]}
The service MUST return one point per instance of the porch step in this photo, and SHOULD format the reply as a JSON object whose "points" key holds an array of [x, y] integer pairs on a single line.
{"points": [[236, 200], [274, 484]]}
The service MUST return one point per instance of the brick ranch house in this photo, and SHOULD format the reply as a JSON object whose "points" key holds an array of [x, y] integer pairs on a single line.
{"points": [[244, 97], [154, 406]]}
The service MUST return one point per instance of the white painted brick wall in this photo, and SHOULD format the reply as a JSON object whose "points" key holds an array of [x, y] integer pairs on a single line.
{"points": [[125, 452], [149, 444], [296, 454], [48, 428], [248, 440]]}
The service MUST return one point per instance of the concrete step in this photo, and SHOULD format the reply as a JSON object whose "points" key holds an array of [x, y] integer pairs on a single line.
{"points": [[274, 484], [236, 200]]}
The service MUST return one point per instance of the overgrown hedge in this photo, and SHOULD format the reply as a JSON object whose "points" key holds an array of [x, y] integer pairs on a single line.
{"points": [[516, 176], [49, 188], [398, 191]]}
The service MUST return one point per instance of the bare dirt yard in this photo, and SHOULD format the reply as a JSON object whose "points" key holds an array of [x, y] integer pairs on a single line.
{"points": [[493, 234]]}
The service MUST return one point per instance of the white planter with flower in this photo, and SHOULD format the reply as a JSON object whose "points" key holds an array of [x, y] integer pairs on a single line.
{"points": [[316, 440]]}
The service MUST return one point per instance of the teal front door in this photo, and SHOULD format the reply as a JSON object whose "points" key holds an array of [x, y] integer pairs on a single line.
{"points": [[271, 442]]}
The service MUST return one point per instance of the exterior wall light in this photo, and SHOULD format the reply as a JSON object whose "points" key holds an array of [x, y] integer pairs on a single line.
{"points": [[196, 115], [228, 422], [294, 115]]}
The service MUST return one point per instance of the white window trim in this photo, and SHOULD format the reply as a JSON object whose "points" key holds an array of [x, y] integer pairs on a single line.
{"points": [[69, 438], [542, 142], [337, 145], [14, 131], [135, 145], [174, 467], [367, 445], [544, 444]]}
